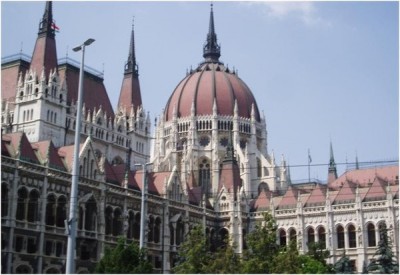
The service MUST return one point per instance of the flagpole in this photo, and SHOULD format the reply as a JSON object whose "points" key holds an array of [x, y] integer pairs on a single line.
{"points": [[309, 161]]}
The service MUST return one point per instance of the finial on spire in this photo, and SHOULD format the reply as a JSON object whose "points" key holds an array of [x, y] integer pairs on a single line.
{"points": [[211, 49], [46, 25], [131, 66]]}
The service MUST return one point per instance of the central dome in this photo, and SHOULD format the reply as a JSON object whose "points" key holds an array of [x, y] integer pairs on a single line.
{"points": [[208, 83], [211, 82]]}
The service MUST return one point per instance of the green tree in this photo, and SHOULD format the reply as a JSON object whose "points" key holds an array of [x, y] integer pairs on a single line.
{"points": [[124, 259], [384, 261], [288, 261], [343, 266], [262, 247], [317, 251], [193, 254], [224, 261]]}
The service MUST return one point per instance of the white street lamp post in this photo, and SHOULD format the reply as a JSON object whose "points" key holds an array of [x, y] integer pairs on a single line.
{"points": [[72, 222]]}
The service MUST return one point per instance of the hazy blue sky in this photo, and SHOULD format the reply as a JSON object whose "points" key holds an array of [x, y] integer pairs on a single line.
{"points": [[319, 71]]}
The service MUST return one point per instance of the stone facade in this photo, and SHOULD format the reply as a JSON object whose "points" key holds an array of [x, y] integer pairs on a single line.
{"points": [[208, 166]]}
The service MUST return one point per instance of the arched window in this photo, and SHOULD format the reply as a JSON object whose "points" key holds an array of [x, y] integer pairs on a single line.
{"points": [[371, 235], [4, 200], [352, 236], [259, 168], [179, 231], [157, 227], [204, 174], [61, 211], [91, 214], [310, 235], [292, 235], [21, 204], [263, 187], [23, 269], [322, 236], [33, 206], [136, 227], [109, 220], [150, 229], [50, 210], [117, 222], [340, 236], [282, 237]]}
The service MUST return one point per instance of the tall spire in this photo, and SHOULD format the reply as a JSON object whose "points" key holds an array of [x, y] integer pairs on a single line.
{"points": [[130, 94], [45, 54], [332, 173], [211, 49], [46, 25], [131, 66]]}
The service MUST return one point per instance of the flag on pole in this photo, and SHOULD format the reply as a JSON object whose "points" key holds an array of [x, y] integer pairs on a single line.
{"points": [[309, 156], [54, 26]]}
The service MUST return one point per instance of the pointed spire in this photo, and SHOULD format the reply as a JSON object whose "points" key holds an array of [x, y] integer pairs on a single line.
{"points": [[46, 25], [131, 66], [332, 173], [44, 55], [211, 49], [130, 90]]}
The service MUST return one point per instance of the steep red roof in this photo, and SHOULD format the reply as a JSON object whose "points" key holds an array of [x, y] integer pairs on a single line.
{"points": [[94, 91], [262, 202], [21, 147], [317, 196], [155, 181], [67, 152], [365, 176], [45, 53], [377, 189], [230, 177], [9, 78], [289, 199], [48, 153], [347, 193]]}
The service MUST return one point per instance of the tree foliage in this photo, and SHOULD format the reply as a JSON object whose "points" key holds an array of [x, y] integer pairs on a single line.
{"points": [[384, 260], [193, 254], [343, 266], [124, 259], [288, 261], [262, 247]]}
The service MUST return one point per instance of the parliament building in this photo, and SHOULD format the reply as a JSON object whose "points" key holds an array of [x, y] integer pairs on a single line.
{"points": [[209, 164]]}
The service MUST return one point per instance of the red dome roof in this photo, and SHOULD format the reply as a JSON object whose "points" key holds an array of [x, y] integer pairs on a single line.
{"points": [[208, 82]]}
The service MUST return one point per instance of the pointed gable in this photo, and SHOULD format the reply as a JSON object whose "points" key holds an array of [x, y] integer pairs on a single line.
{"points": [[347, 193], [67, 152], [262, 202], [289, 200], [21, 147], [49, 154], [111, 177], [377, 190], [317, 196]]}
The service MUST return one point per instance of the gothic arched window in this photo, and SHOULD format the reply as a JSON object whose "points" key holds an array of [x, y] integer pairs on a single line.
{"points": [[204, 174], [282, 237], [340, 236], [352, 236], [322, 236], [371, 235], [310, 235]]}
